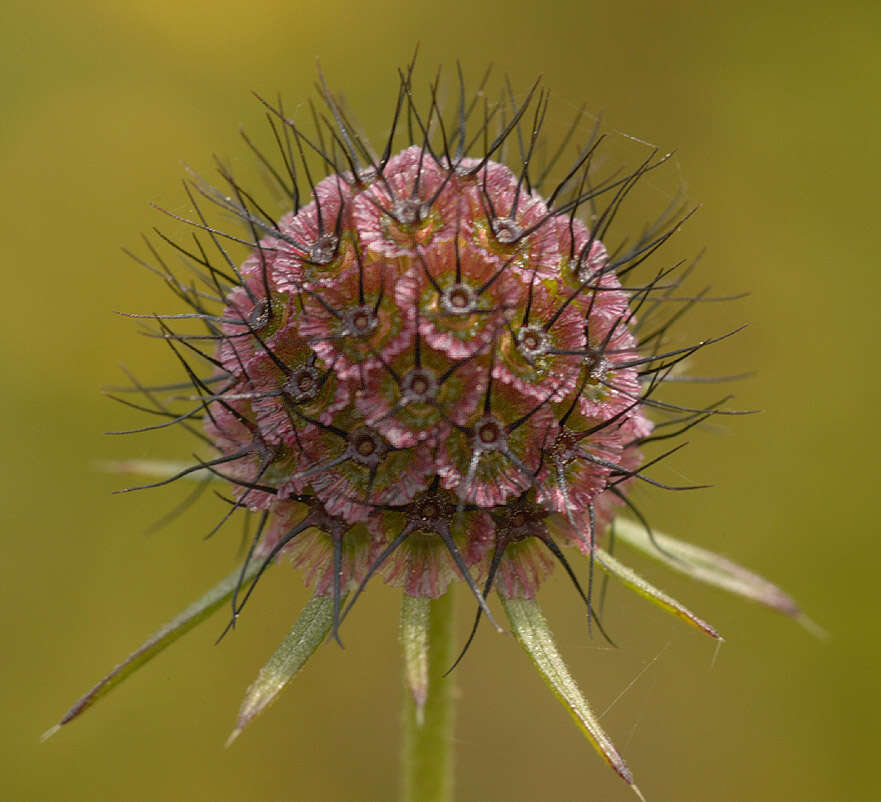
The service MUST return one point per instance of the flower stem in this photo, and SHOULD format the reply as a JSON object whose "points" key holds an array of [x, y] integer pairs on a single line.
{"points": [[427, 755]]}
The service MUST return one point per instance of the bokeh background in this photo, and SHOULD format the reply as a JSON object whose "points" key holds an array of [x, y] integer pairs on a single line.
{"points": [[773, 109]]}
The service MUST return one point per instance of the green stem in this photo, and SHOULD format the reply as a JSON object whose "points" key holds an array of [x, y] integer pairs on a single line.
{"points": [[427, 754]]}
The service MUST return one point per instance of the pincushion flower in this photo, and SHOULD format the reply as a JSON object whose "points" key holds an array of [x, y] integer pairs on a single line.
{"points": [[429, 370]]}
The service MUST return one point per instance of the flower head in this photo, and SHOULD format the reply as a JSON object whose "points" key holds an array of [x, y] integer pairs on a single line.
{"points": [[431, 369], [416, 368]]}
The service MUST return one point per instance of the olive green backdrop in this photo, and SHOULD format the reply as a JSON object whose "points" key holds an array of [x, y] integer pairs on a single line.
{"points": [[773, 108]]}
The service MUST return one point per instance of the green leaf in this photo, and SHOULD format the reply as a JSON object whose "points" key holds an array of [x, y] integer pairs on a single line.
{"points": [[644, 588], [305, 637], [160, 469], [414, 640], [712, 569], [535, 637], [197, 612]]}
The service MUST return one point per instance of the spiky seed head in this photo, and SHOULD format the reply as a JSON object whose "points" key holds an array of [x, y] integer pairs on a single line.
{"points": [[432, 367]]}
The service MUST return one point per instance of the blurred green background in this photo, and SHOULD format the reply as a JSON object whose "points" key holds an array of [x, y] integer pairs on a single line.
{"points": [[773, 109]]}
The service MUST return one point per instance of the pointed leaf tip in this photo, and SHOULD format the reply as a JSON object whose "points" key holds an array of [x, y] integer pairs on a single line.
{"points": [[415, 612], [533, 634], [812, 626], [710, 568], [307, 634], [49, 733], [232, 737], [644, 588], [186, 620]]}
